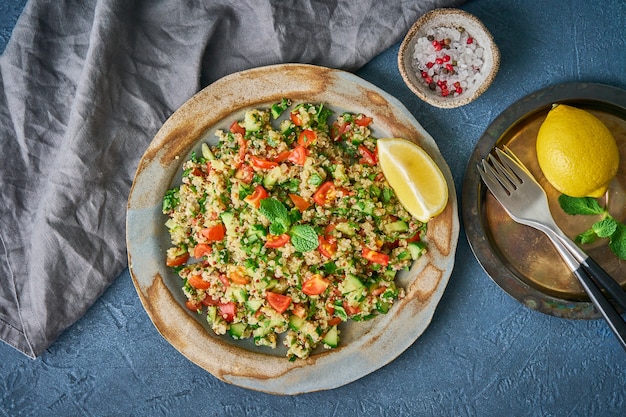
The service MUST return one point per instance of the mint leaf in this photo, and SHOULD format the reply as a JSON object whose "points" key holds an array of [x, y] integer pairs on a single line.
{"points": [[580, 205], [278, 228], [303, 238], [618, 241], [606, 227], [275, 211], [586, 237]]}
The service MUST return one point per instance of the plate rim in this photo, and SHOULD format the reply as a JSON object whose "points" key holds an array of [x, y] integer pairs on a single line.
{"points": [[473, 192], [267, 379]]}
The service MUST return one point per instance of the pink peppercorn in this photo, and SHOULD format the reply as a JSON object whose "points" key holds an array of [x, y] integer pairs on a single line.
{"points": [[446, 58], [439, 61], [437, 46], [470, 40], [429, 64]]}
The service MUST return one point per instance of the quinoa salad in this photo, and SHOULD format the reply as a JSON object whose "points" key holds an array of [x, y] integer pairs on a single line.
{"points": [[287, 228]]}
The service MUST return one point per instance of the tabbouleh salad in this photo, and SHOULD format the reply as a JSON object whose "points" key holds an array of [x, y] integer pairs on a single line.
{"points": [[288, 226]]}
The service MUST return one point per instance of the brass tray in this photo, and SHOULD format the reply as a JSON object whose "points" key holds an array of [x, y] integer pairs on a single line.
{"points": [[521, 260]]}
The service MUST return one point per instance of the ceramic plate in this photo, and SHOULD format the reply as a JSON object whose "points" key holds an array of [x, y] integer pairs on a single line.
{"points": [[240, 362], [518, 258]]}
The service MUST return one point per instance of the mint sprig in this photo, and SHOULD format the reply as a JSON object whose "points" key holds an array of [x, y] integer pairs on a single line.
{"points": [[303, 237], [606, 227]]}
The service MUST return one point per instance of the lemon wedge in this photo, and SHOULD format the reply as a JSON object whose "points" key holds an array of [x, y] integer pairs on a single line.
{"points": [[576, 152], [414, 177]]}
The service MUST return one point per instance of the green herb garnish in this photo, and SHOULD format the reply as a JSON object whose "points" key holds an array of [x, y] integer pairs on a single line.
{"points": [[303, 237], [606, 227]]}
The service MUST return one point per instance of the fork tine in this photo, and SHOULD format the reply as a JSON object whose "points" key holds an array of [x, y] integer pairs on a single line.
{"points": [[512, 162], [487, 177], [504, 174], [493, 180], [506, 150]]}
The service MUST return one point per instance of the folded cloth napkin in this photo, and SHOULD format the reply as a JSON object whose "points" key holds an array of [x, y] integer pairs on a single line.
{"points": [[85, 85]]}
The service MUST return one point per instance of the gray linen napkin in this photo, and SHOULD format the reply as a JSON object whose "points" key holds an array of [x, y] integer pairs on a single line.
{"points": [[84, 86]]}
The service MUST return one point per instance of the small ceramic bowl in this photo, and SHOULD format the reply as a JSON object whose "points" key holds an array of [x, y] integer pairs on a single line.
{"points": [[452, 45]]}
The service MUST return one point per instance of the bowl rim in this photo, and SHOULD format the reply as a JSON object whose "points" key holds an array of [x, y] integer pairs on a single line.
{"points": [[404, 57]]}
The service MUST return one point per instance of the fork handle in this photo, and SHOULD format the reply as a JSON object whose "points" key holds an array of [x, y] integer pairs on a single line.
{"points": [[604, 280], [610, 314]]}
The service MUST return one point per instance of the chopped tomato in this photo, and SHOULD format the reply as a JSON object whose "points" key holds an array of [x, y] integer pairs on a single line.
{"points": [[274, 241], [235, 127], [334, 321], [245, 173], [295, 118], [415, 238], [367, 157], [326, 194], [224, 280], [378, 291], [197, 172], [281, 157], [299, 310], [300, 203], [257, 195], [315, 285], [198, 283], [237, 277], [330, 308], [177, 260], [351, 310], [278, 302], [193, 305], [307, 138], [227, 311], [363, 121], [327, 246], [243, 148], [375, 257], [201, 250], [214, 233], [210, 301], [262, 163], [338, 130], [297, 155]]}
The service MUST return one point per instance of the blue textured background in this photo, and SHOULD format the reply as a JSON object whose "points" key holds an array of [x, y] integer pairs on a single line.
{"points": [[484, 353]]}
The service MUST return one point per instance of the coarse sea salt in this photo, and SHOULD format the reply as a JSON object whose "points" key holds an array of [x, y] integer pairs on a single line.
{"points": [[448, 60]]}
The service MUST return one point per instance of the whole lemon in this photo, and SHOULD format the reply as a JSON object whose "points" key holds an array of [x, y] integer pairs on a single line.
{"points": [[576, 152]]}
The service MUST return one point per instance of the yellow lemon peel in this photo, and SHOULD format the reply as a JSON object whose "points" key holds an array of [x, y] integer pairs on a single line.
{"points": [[576, 152], [415, 178]]}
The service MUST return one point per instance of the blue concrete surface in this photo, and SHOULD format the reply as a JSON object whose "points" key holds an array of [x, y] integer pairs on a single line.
{"points": [[484, 353]]}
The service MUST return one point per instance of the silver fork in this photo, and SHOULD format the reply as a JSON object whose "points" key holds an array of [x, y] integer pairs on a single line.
{"points": [[525, 201]]}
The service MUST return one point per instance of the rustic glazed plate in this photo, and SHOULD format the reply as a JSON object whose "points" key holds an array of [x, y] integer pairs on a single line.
{"points": [[365, 346], [520, 259]]}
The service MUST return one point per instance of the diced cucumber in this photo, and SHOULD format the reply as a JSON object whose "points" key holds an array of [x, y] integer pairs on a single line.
{"points": [[252, 121], [295, 322], [346, 228], [417, 249], [228, 218], [272, 177], [397, 226], [352, 283], [331, 338], [405, 254], [237, 330], [206, 152], [365, 206], [211, 314], [383, 306], [253, 304]]}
